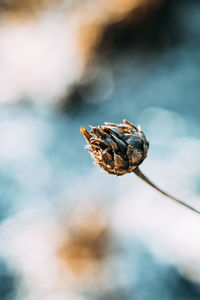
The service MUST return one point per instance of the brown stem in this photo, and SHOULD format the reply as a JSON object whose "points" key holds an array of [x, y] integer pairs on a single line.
{"points": [[139, 173]]}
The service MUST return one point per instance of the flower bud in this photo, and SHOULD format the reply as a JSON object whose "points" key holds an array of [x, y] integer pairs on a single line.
{"points": [[117, 148]]}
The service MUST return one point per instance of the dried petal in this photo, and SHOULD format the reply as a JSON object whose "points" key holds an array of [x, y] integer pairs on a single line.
{"points": [[120, 162], [130, 124], [86, 133]]}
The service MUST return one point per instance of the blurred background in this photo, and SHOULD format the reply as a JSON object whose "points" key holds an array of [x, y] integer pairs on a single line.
{"points": [[67, 230]]}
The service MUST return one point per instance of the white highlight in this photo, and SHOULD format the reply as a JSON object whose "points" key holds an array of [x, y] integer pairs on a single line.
{"points": [[39, 59]]}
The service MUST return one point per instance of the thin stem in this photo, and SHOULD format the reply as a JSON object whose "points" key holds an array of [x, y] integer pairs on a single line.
{"points": [[139, 173]]}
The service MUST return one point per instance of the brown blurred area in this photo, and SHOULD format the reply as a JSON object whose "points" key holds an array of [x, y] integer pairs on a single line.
{"points": [[86, 243], [117, 13], [24, 9], [113, 28], [113, 12]]}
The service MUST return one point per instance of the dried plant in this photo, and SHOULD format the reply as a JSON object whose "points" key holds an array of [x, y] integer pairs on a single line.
{"points": [[119, 149]]}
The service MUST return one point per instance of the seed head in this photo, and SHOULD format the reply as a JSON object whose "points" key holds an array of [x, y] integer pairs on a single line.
{"points": [[117, 148]]}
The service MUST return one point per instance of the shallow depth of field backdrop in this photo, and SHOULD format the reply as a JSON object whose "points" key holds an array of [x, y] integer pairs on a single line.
{"points": [[67, 230]]}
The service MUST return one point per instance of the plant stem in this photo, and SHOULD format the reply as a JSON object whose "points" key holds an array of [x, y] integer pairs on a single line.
{"points": [[139, 173]]}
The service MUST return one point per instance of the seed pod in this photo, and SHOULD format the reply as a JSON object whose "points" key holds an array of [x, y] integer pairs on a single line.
{"points": [[117, 148]]}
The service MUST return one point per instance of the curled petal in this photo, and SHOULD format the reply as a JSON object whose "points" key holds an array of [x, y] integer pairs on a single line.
{"points": [[86, 134], [130, 124]]}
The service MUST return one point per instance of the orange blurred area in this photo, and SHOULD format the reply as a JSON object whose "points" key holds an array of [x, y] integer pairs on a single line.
{"points": [[86, 244], [97, 17]]}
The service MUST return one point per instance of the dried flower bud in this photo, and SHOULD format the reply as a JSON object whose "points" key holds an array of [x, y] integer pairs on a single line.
{"points": [[117, 148]]}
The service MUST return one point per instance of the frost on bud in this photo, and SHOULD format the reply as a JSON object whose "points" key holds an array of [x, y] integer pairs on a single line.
{"points": [[117, 148]]}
